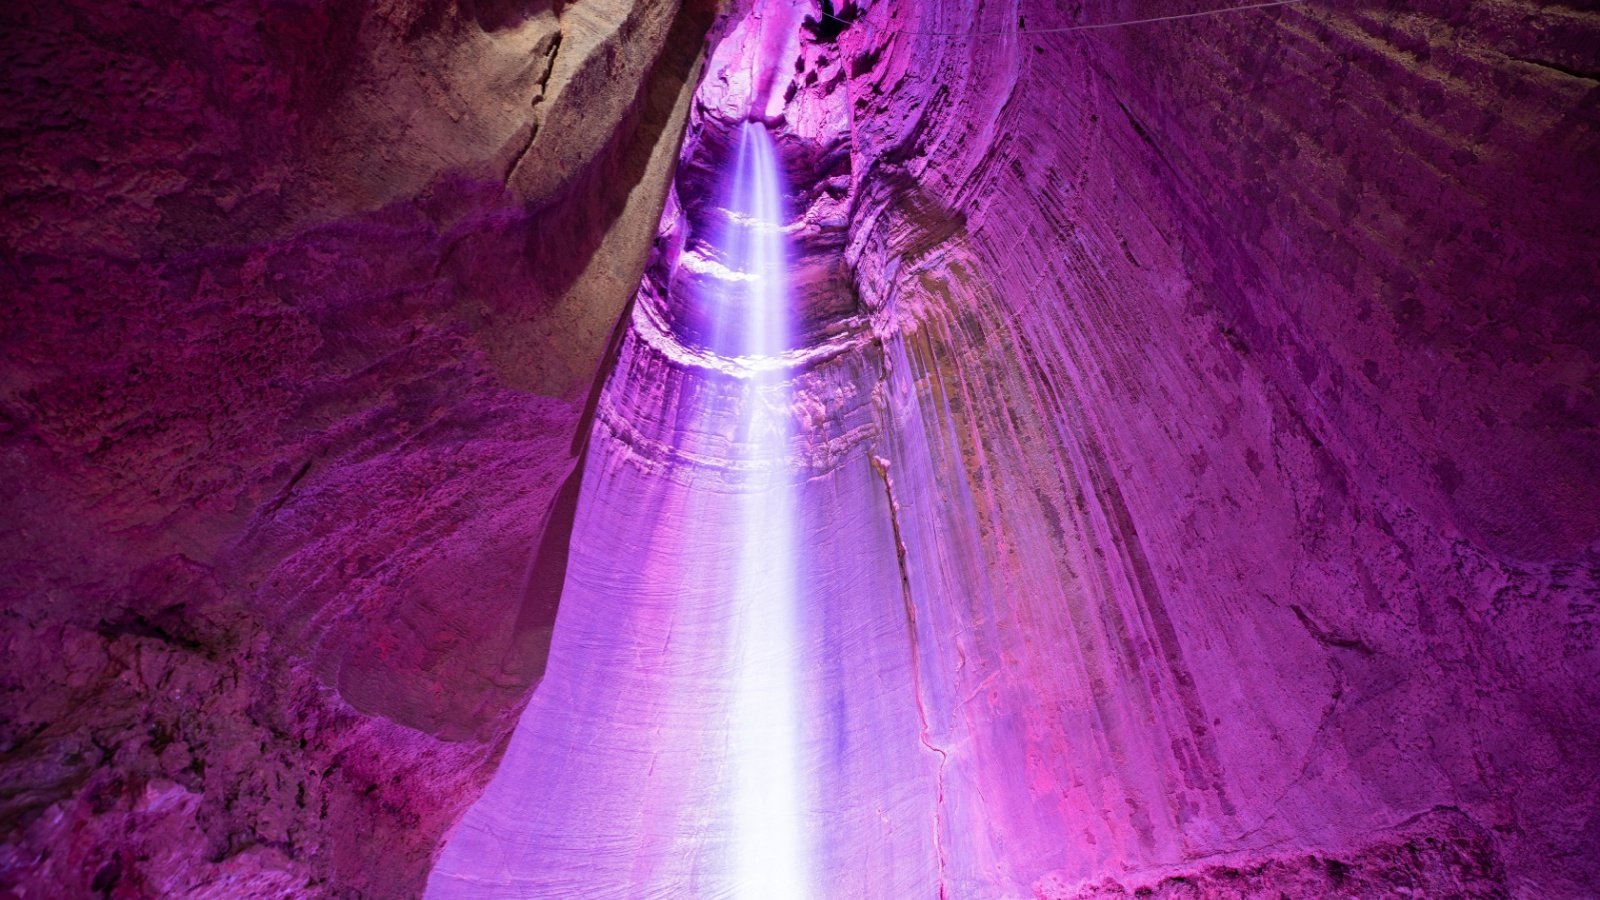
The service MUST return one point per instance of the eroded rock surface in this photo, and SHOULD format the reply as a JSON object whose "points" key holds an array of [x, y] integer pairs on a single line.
{"points": [[302, 303], [1265, 346], [1197, 420], [1231, 427]]}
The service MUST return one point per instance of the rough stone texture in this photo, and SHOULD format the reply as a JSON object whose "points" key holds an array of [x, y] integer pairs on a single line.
{"points": [[1222, 391], [302, 302], [1441, 854], [624, 776], [1267, 348], [1232, 397]]}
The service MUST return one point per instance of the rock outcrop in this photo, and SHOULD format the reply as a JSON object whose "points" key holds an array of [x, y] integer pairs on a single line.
{"points": [[1139, 412]]}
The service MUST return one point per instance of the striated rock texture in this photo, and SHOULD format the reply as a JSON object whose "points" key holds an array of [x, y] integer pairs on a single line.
{"points": [[1256, 361], [1198, 458], [1194, 435], [301, 305], [626, 776]]}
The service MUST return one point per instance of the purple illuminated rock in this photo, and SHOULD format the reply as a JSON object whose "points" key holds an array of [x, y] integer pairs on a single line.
{"points": [[1264, 349], [1202, 417], [302, 302], [1178, 440]]}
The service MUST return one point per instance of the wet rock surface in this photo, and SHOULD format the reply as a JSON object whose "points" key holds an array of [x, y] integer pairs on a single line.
{"points": [[1193, 607]]}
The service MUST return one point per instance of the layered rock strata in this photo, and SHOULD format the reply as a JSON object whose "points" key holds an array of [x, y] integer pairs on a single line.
{"points": [[1256, 357], [1190, 439], [1196, 439]]}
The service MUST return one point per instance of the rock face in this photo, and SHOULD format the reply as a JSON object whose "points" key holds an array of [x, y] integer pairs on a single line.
{"points": [[1195, 439], [302, 303], [1255, 357], [1140, 412]]}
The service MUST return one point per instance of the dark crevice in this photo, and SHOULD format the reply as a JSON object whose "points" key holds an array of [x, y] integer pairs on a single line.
{"points": [[543, 83], [826, 27], [1558, 67], [136, 625], [283, 496], [1328, 638]]}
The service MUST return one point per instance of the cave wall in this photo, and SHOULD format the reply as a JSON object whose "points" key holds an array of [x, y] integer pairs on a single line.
{"points": [[1225, 391], [730, 706], [1264, 348], [302, 305], [1174, 390]]}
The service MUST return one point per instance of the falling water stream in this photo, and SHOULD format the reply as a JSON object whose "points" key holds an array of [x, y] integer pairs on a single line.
{"points": [[764, 725]]}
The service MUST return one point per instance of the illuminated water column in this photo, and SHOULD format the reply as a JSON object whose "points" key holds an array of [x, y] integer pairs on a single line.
{"points": [[764, 729], [712, 692]]}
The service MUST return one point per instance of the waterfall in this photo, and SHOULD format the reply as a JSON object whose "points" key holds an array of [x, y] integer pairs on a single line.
{"points": [[662, 754], [765, 721]]}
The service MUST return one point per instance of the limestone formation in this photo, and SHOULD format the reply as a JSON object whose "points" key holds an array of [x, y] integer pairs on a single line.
{"points": [[1194, 424]]}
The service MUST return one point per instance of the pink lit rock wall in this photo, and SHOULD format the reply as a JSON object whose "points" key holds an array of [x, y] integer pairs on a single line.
{"points": [[618, 781], [623, 777], [1256, 360], [1220, 395], [301, 306], [1177, 470]]}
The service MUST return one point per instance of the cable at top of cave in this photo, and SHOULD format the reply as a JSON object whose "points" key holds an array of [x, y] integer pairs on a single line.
{"points": [[1064, 28]]}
